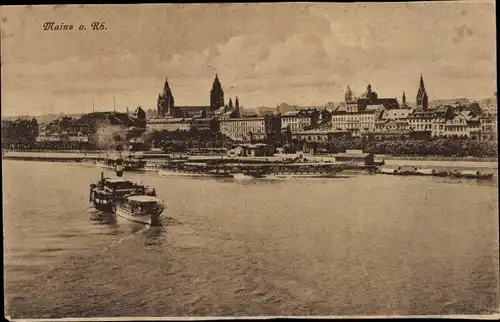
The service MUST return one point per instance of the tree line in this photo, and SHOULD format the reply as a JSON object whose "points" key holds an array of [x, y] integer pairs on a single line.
{"points": [[435, 147]]}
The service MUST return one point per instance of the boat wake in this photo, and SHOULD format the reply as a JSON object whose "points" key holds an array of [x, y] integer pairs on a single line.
{"points": [[49, 273]]}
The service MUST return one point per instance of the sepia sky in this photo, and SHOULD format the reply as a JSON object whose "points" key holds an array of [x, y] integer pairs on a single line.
{"points": [[265, 54]]}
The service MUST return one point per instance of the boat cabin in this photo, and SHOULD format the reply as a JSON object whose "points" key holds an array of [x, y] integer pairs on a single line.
{"points": [[141, 205], [355, 157]]}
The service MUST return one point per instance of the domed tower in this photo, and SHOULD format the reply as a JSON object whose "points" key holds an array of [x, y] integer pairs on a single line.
{"points": [[348, 95], [371, 95], [216, 94], [422, 99]]}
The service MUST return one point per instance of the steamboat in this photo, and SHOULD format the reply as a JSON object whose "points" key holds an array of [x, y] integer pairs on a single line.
{"points": [[243, 171], [300, 170], [127, 165], [181, 168], [108, 191], [151, 162]]}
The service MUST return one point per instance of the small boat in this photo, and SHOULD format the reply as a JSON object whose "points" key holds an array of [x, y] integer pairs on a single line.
{"points": [[242, 176], [388, 170], [426, 172], [140, 209], [124, 164], [399, 171]]}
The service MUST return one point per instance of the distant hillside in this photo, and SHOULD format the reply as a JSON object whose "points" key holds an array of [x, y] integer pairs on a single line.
{"points": [[285, 107], [450, 101], [150, 113]]}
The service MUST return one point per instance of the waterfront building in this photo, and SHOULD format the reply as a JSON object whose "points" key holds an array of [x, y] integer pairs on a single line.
{"points": [[446, 123], [488, 125], [299, 120], [421, 119], [440, 117], [318, 136], [169, 124], [359, 121], [393, 120], [206, 124], [360, 114], [251, 128]]}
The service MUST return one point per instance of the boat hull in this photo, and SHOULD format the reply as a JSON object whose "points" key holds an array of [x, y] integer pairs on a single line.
{"points": [[300, 176], [104, 207], [125, 216], [150, 169], [166, 173], [242, 177]]}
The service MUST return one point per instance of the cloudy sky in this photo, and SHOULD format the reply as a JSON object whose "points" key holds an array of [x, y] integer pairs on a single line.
{"points": [[265, 54]]}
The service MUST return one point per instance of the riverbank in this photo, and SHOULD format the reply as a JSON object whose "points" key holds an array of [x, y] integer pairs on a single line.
{"points": [[438, 158], [420, 161]]}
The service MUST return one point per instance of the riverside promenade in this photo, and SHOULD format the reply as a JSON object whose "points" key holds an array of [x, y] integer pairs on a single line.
{"points": [[55, 156]]}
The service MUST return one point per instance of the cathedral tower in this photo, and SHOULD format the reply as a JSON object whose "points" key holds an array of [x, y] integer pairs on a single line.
{"points": [[216, 94], [236, 111], [422, 99], [165, 101]]}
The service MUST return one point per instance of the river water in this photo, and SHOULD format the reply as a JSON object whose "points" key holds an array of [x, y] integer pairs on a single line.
{"points": [[354, 245]]}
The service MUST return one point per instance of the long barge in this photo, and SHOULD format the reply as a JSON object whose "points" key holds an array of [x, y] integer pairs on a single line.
{"points": [[414, 171], [238, 169]]}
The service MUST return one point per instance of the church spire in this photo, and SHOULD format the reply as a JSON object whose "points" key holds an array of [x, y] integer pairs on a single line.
{"points": [[422, 99], [404, 99], [230, 104], [216, 94], [236, 111], [165, 100]]}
